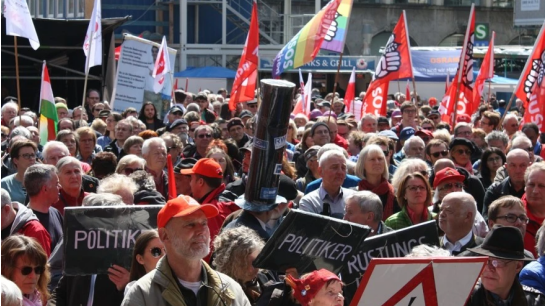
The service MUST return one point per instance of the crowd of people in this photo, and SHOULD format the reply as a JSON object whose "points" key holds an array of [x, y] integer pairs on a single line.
{"points": [[481, 179]]}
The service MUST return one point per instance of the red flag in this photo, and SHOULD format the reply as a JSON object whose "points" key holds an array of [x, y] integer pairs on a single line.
{"points": [[534, 69], [486, 72], [463, 84], [162, 66], [408, 92], [350, 92], [534, 113], [244, 84], [395, 63], [447, 84], [172, 185]]}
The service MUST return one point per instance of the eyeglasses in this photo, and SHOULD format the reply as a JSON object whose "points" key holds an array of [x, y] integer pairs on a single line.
{"points": [[27, 270], [493, 159], [156, 252], [427, 128], [498, 263], [464, 133], [128, 171], [416, 188], [442, 153], [202, 136], [449, 186], [386, 153], [463, 152], [412, 111], [28, 156], [512, 218]]}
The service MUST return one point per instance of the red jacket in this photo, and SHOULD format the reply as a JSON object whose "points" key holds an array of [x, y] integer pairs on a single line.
{"points": [[532, 228], [340, 141], [34, 229]]}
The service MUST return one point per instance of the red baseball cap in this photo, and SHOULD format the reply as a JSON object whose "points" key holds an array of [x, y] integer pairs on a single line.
{"points": [[306, 288], [447, 174], [205, 167], [183, 206], [463, 118], [424, 132]]}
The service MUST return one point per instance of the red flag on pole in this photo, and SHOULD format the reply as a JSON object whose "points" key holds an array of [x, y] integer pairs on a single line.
{"points": [[530, 88], [350, 92], [162, 66], [447, 84], [395, 63], [172, 185], [408, 92], [244, 84], [486, 72], [463, 83]]}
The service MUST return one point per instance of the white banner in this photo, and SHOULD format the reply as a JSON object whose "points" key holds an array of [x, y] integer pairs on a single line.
{"points": [[19, 21], [134, 81]]}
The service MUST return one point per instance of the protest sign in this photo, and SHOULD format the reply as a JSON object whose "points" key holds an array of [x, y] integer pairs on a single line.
{"points": [[389, 245], [419, 281], [134, 82], [96, 238], [308, 242]]}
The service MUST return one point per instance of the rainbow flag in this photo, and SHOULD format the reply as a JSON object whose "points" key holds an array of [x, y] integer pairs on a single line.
{"points": [[339, 27], [48, 112], [305, 46]]}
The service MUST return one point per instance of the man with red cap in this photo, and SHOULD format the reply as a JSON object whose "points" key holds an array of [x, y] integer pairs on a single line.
{"points": [[206, 186], [181, 277]]}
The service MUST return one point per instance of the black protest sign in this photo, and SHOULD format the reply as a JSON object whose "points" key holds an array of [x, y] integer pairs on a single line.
{"points": [[389, 245], [308, 242], [95, 238]]}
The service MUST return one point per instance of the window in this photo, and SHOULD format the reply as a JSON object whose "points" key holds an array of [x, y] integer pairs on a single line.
{"points": [[81, 8], [60, 8], [71, 8], [50, 9], [31, 7], [452, 40]]}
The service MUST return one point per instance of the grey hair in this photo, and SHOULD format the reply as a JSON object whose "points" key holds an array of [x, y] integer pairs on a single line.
{"points": [[424, 250], [521, 139], [202, 127], [193, 107], [22, 131], [127, 123], [10, 104], [331, 146], [36, 176], [143, 180], [149, 142], [368, 116], [537, 166], [540, 240], [408, 166], [330, 154], [370, 149], [459, 126], [129, 159], [11, 294], [508, 117], [411, 140], [5, 199], [66, 161], [103, 199], [51, 145], [368, 202], [24, 119], [466, 202], [497, 136], [232, 247], [116, 182]]}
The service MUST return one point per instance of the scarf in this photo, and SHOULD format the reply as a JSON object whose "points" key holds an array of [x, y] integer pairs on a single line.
{"points": [[467, 167], [383, 188]]}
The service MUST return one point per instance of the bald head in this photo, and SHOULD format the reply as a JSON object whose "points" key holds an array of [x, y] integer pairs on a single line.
{"points": [[517, 154], [443, 163], [457, 214], [465, 202]]}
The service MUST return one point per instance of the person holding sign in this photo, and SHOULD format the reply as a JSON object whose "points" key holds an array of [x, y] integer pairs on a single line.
{"points": [[181, 277], [318, 288]]}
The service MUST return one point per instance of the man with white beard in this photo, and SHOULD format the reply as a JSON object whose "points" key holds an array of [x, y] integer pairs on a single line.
{"points": [[181, 277]]}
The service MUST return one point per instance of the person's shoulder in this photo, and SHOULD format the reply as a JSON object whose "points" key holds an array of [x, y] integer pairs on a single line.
{"points": [[8, 178]]}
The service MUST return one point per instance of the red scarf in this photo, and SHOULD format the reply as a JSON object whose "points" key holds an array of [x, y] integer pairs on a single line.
{"points": [[383, 188]]}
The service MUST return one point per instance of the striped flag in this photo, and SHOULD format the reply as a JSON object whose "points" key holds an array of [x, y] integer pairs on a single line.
{"points": [[48, 113]]}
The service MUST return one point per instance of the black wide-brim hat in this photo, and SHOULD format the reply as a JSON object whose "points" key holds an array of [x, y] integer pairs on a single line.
{"points": [[504, 242]]}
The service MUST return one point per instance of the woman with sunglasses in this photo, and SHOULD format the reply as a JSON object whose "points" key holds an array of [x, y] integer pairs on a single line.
{"points": [[129, 164], [492, 159], [146, 253], [414, 196], [24, 262], [372, 168]]}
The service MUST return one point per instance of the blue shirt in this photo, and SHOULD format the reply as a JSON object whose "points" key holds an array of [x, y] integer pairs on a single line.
{"points": [[350, 182], [14, 188], [532, 274]]}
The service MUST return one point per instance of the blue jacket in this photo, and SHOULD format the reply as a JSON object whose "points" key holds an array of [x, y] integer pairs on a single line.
{"points": [[350, 182], [532, 275]]}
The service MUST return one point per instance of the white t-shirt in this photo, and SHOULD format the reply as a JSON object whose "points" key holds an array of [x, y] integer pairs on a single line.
{"points": [[194, 286]]}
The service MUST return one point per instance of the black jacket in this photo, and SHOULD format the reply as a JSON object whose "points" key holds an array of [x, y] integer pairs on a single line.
{"points": [[114, 149], [522, 296], [496, 191], [474, 241], [74, 291], [250, 221], [155, 125]]}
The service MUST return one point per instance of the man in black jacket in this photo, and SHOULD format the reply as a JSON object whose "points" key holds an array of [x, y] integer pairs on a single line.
{"points": [[123, 130]]}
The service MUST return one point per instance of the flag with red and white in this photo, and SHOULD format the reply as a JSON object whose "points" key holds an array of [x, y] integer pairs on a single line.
{"points": [[93, 50], [530, 88], [350, 92], [464, 79], [486, 72], [48, 112], [162, 66], [303, 105], [244, 85], [395, 63], [408, 92], [19, 22]]}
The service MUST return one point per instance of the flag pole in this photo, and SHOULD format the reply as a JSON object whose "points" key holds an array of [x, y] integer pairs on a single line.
{"points": [[335, 85], [186, 89], [410, 60], [17, 74], [91, 39], [461, 68]]}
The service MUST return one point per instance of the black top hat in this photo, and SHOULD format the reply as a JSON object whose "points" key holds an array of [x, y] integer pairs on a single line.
{"points": [[504, 242]]}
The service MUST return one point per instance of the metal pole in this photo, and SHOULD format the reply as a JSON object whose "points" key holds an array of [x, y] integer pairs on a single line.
{"points": [[17, 75], [335, 85], [92, 37]]}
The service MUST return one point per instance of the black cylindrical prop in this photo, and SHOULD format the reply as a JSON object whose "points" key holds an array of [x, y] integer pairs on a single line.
{"points": [[269, 141]]}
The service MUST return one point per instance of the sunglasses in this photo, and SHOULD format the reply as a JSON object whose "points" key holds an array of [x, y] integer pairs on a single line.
{"points": [[386, 153], [27, 270], [128, 171], [202, 136], [427, 128], [156, 252], [442, 153], [449, 186], [464, 152]]}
